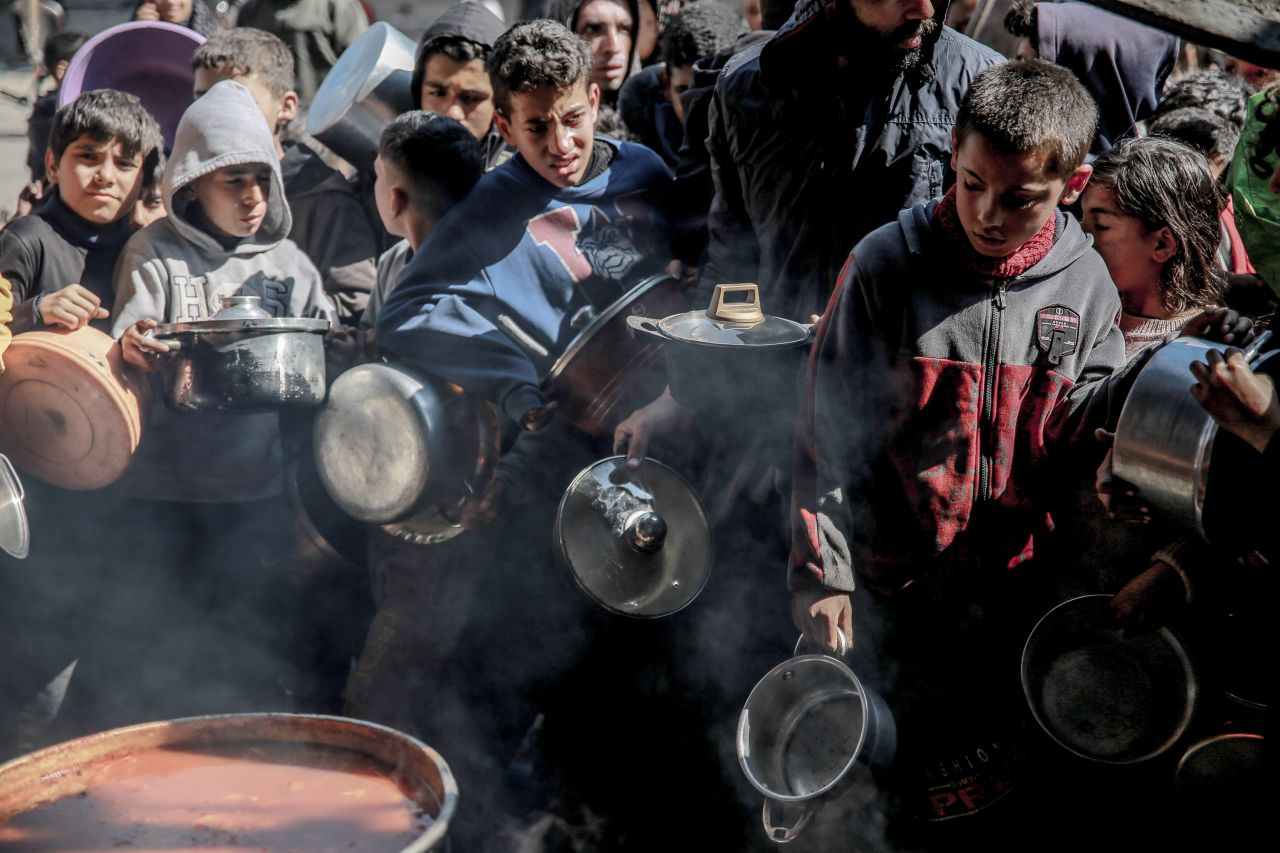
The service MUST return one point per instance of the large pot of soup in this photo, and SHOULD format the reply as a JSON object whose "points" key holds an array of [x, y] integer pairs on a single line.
{"points": [[263, 782]]}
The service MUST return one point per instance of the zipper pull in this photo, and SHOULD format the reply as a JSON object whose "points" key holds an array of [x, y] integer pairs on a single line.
{"points": [[1000, 302]]}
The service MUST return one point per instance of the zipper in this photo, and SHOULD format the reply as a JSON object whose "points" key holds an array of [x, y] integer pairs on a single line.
{"points": [[991, 360]]}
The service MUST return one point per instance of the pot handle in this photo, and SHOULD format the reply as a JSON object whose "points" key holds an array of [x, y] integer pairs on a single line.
{"points": [[13, 475], [648, 325], [745, 311], [173, 345], [842, 646], [784, 834]]}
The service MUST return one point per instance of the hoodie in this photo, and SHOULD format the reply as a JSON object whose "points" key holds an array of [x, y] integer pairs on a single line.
{"points": [[950, 397], [566, 12], [473, 22], [174, 272], [1122, 63]]}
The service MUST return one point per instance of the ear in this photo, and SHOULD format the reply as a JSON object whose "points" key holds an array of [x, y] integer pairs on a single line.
{"points": [[50, 166], [954, 166], [504, 128], [399, 201], [1165, 245], [287, 110], [1076, 183], [593, 98]]}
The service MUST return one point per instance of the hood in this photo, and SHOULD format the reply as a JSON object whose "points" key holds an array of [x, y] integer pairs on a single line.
{"points": [[224, 128], [464, 19], [707, 70], [1122, 63], [566, 12], [920, 228], [810, 43]]}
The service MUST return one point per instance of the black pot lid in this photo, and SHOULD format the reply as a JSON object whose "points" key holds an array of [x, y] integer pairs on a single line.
{"points": [[15, 534], [734, 319], [637, 542]]}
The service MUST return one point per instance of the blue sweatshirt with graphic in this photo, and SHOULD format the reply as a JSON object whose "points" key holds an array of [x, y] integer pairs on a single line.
{"points": [[490, 299]]}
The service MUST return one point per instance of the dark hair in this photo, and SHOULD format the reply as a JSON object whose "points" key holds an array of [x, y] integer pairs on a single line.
{"points": [[1225, 95], [60, 47], [106, 114], [1200, 129], [457, 48], [1163, 183], [1030, 105], [700, 29], [249, 52], [533, 54], [1023, 21], [1268, 135], [775, 13], [439, 156]]}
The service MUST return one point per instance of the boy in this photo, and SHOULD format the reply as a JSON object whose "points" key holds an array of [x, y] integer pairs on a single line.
{"points": [[60, 261], [558, 231], [980, 330], [450, 77], [329, 223]]}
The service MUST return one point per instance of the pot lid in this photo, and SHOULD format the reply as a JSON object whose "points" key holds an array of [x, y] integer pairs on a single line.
{"points": [[15, 535], [638, 542], [734, 319]]}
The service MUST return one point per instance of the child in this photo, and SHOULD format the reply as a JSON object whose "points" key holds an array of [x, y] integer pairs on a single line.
{"points": [[966, 343], [450, 77], [329, 223], [60, 262], [1152, 209], [552, 234]]}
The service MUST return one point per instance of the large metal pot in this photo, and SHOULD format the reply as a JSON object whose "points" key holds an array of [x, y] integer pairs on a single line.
{"points": [[15, 534], [243, 360], [1102, 693], [1222, 780], [731, 353], [405, 450], [1167, 444], [606, 373], [71, 771], [811, 731]]}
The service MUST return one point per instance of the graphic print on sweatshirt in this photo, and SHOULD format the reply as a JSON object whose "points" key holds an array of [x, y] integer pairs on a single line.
{"points": [[195, 298], [607, 247]]}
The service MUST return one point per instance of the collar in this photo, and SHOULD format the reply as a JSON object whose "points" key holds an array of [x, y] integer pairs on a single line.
{"points": [[82, 233]]}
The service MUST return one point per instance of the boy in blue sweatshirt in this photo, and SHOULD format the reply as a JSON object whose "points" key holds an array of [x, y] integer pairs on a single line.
{"points": [[557, 232]]}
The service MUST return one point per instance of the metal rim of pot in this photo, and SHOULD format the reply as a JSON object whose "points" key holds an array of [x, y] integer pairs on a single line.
{"points": [[623, 303], [727, 325], [1030, 681], [247, 327], [12, 496]]}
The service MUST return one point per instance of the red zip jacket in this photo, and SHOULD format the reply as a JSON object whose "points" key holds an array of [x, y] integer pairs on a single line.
{"points": [[939, 405]]}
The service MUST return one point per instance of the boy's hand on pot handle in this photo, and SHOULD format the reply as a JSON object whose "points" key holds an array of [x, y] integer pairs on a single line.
{"points": [[1241, 401], [72, 307], [139, 349], [820, 615]]}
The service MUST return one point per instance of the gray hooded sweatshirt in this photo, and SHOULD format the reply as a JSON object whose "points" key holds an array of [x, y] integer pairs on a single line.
{"points": [[174, 272]]}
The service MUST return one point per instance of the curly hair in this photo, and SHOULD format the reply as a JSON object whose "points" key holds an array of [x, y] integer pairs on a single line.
{"points": [[1166, 184], [701, 29], [533, 54]]}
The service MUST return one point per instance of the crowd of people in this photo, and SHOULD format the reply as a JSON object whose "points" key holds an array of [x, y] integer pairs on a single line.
{"points": [[990, 249]]}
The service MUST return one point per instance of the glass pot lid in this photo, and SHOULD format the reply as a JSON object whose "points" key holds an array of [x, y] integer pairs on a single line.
{"points": [[734, 319]]}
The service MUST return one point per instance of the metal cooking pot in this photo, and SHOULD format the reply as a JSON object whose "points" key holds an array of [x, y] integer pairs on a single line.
{"points": [[809, 732], [638, 542], [366, 89], [325, 537], [405, 450], [730, 352], [15, 534], [64, 770], [1102, 694], [1166, 443], [1223, 779], [243, 360], [607, 373]]}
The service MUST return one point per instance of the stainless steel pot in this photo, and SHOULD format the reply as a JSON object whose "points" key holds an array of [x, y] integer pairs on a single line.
{"points": [[1223, 779], [809, 732], [248, 364], [1166, 442], [405, 450], [1103, 694], [15, 534]]}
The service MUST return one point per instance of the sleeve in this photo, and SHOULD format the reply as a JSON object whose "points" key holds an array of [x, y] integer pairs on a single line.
{"points": [[733, 252], [849, 374], [6, 316], [390, 266], [308, 297], [18, 265], [342, 245], [142, 286], [1099, 392]]}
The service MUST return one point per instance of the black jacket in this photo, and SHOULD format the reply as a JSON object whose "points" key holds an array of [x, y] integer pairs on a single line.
{"points": [[812, 148]]}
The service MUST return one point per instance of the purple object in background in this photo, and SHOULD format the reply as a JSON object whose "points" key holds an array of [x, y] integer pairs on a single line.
{"points": [[150, 59]]}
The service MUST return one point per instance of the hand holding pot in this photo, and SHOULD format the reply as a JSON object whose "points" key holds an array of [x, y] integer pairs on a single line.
{"points": [[1151, 599], [71, 307], [139, 349], [1119, 498], [821, 615], [1224, 325], [1241, 401], [661, 418]]}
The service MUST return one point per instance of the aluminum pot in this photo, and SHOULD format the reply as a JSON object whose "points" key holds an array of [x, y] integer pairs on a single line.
{"points": [[606, 373], [810, 731], [1223, 780], [405, 450], [731, 353], [15, 533], [243, 363], [1102, 694], [69, 769]]}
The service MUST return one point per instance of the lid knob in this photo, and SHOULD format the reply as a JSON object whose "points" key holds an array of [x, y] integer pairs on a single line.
{"points": [[242, 307], [736, 303], [645, 531]]}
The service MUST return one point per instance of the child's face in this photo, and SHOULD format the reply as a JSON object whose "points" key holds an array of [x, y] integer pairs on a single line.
{"points": [[553, 129], [1135, 256], [607, 28], [384, 195], [1004, 199], [460, 90], [234, 198], [149, 208], [278, 111], [678, 79], [97, 180]]}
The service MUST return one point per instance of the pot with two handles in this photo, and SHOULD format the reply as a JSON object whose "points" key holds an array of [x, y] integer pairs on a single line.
{"points": [[811, 732]]}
